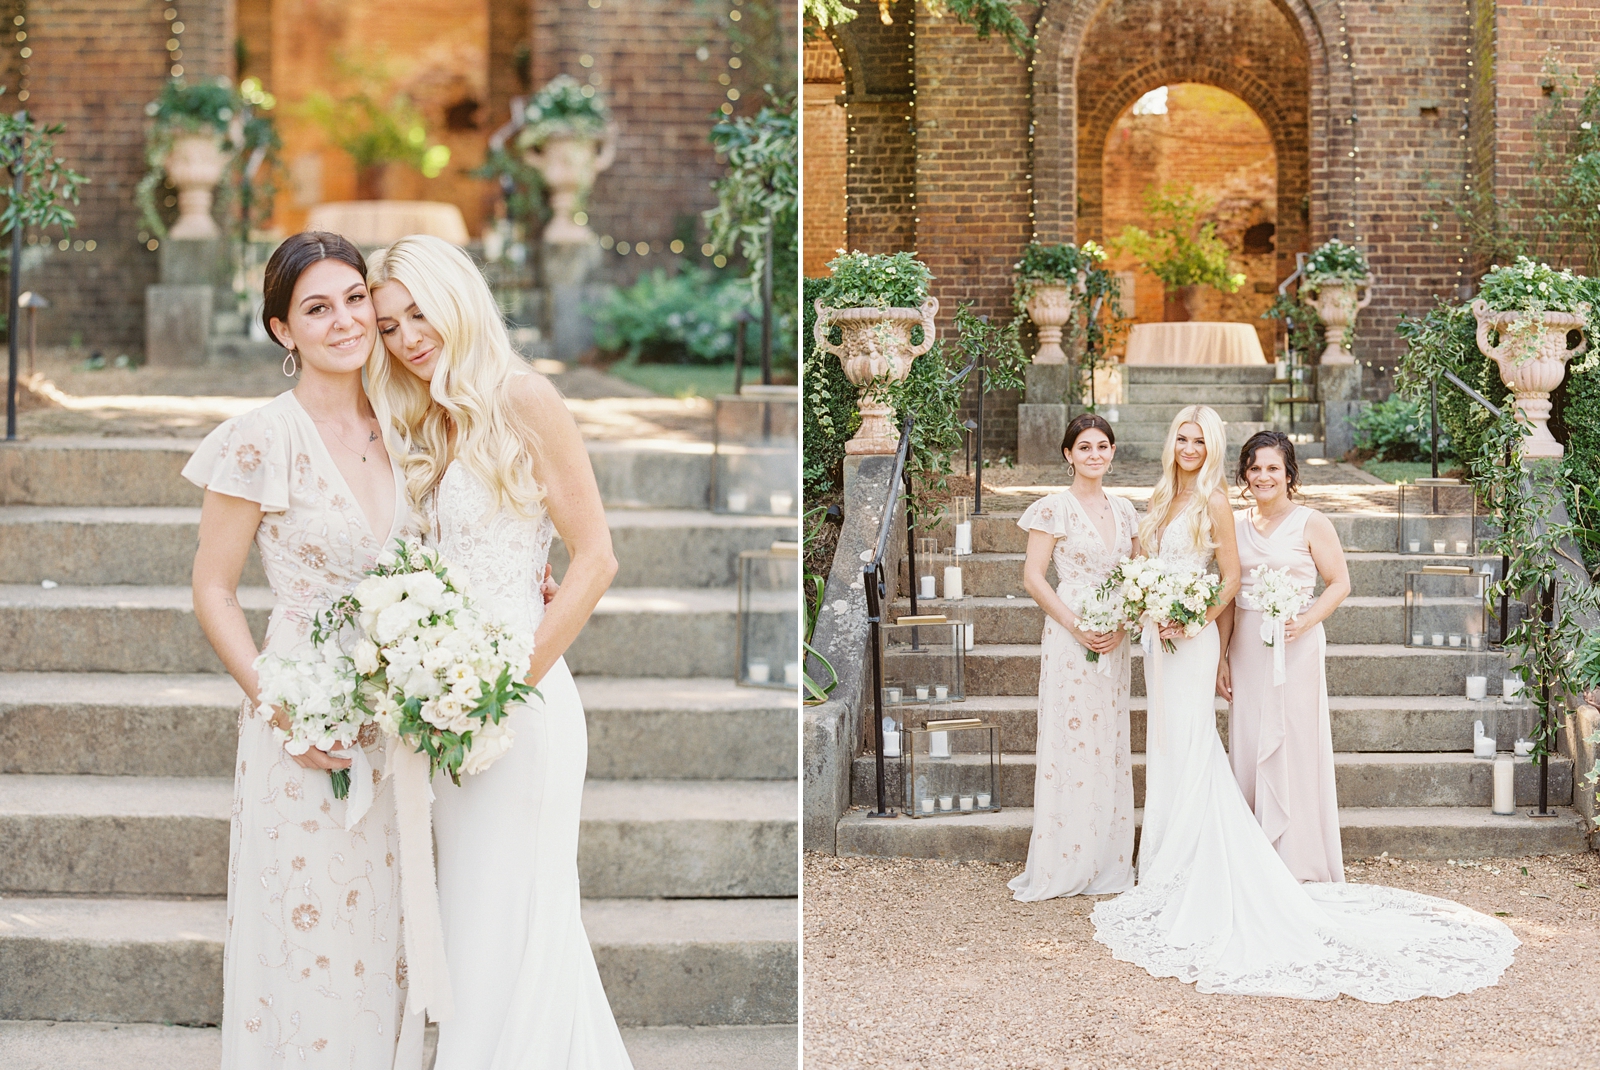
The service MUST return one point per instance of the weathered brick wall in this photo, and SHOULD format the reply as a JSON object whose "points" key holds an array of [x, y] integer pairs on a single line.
{"points": [[94, 65], [824, 150], [880, 179]]}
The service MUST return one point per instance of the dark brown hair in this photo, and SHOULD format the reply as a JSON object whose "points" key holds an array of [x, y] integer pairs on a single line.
{"points": [[1086, 421], [1275, 440], [290, 260]]}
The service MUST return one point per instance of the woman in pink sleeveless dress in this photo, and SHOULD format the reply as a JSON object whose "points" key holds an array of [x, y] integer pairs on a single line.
{"points": [[1280, 743]]}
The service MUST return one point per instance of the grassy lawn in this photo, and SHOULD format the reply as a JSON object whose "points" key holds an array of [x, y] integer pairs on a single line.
{"points": [[1407, 471]]}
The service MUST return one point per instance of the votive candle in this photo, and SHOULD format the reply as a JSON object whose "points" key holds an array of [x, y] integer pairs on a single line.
{"points": [[926, 588], [759, 671], [983, 800], [952, 582], [947, 802], [966, 802]]}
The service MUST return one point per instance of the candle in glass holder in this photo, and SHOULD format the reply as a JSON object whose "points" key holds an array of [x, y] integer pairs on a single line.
{"points": [[781, 501], [1509, 686], [938, 744], [791, 672], [947, 802], [1482, 745], [969, 631], [1523, 747], [891, 696], [966, 802], [1416, 638], [926, 587], [1455, 640], [983, 800], [952, 581], [1438, 546], [941, 693], [927, 804], [759, 671], [738, 501], [891, 738], [922, 694], [1461, 546], [1504, 780], [1415, 546], [964, 537], [1438, 639], [1477, 687]]}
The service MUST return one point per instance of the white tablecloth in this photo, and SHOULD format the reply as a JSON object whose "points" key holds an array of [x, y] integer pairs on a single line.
{"points": [[1194, 343], [381, 222]]}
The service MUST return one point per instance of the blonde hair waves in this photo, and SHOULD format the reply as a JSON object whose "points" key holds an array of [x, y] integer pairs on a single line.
{"points": [[1197, 511], [468, 390]]}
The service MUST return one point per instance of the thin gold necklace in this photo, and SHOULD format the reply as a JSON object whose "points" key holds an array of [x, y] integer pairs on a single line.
{"points": [[372, 436]]}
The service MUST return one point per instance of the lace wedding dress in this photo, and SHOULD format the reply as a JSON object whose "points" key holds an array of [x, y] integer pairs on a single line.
{"points": [[1216, 907], [526, 991]]}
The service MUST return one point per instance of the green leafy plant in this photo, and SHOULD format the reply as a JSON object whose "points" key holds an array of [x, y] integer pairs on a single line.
{"points": [[1053, 265], [48, 184], [1303, 328], [374, 130], [689, 317], [563, 107], [814, 588], [877, 280], [1183, 249], [188, 108], [1398, 429], [986, 17], [759, 196], [522, 185], [1334, 261], [828, 415]]}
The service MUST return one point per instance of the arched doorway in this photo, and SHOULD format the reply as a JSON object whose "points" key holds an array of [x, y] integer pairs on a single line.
{"points": [[1191, 136]]}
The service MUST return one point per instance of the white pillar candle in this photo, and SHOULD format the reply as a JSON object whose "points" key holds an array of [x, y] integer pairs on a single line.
{"points": [[922, 694], [1509, 686], [966, 802], [939, 744], [968, 628], [738, 501], [964, 537], [891, 696], [1415, 546], [983, 800], [1438, 546], [927, 804], [791, 672], [1482, 745], [1523, 747], [759, 671], [925, 587], [1477, 687], [947, 802], [781, 502], [1438, 639], [891, 739], [941, 693], [952, 581], [1461, 546], [1504, 778], [1455, 640], [1416, 638]]}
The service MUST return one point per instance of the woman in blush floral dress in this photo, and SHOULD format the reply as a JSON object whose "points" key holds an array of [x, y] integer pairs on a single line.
{"points": [[1082, 840], [313, 974]]}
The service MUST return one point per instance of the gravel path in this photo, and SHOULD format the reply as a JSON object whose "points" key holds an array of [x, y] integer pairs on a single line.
{"points": [[930, 964]]}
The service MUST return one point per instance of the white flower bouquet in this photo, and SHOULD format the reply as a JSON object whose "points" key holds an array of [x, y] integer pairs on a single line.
{"points": [[318, 693], [1277, 597], [1100, 611], [432, 670], [1155, 594]]}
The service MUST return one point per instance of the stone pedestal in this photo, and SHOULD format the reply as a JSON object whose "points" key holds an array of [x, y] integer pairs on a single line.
{"points": [[177, 325], [1339, 389], [1042, 417], [569, 271], [195, 262]]}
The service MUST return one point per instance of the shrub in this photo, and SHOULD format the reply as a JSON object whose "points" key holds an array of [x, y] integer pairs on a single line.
{"points": [[687, 318], [1398, 429]]}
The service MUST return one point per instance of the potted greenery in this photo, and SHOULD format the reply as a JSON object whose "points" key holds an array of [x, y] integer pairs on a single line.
{"points": [[567, 134], [376, 136], [876, 301], [1181, 250], [1051, 282], [1333, 276], [197, 129], [1526, 313]]}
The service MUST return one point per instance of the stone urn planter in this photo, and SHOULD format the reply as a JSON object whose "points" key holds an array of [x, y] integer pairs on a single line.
{"points": [[1532, 365], [195, 165], [1337, 304], [569, 164], [1051, 307], [875, 348]]}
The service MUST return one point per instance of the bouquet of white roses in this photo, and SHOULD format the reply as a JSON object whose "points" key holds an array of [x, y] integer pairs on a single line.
{"points": [[1100, 611], [432, 669], [318, 692], [1155, 594], [1279, 599]]}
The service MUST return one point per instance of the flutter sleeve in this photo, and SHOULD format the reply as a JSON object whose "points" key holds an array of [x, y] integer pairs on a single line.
{"points": [[1048, 514], [247, 457]]}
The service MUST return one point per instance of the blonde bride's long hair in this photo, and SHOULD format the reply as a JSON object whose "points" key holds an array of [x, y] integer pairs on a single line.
{"points": [[468, 390], [1197, 511]]}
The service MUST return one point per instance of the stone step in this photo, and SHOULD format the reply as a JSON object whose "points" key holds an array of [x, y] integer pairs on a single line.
{"points": [[996, 530], [149, 724], [1362, 780], [662, 474], [1198, 374], [663, 962], [1177, 395], [1403, 832], [1136, 414], [86, 835], [1018, 619], [1388, 724], [991, 574], [637, 631], [90, 545], [96, 1045], [1366, 669]]}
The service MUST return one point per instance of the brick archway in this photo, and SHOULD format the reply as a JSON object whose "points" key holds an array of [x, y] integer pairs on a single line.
{"points": [[1067, 122]]}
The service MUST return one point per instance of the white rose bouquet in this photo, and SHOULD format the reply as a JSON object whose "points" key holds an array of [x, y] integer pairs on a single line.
{"points": [[1100, 611], [318, 693], [1155, 594], [433, 670], [1279, 599], [1132, 584]]}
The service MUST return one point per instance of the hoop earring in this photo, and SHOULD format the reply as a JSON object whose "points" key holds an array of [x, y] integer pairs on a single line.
{"points": [[291, 364]]}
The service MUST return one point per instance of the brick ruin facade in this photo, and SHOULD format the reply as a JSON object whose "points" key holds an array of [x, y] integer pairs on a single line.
{"points": [[94, 64], [1378, 113]]}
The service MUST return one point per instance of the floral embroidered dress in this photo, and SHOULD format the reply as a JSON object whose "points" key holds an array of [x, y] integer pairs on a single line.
{"points": [[1082, 840], [313, 974]]}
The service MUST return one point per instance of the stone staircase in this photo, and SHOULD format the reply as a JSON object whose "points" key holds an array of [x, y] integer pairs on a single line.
{"points": [[116, 757], [1402, 732], [1152, 394]]}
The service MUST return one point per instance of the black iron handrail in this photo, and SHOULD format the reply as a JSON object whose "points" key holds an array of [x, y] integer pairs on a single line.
{"points": [[873, 579]]}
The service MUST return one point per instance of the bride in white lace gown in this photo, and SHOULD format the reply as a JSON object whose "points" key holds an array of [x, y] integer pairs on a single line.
{"points": [[498, 465], [1215, 906]]}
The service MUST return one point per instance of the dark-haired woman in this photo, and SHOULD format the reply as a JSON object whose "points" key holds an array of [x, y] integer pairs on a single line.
{"points": [[1280, 742], [312, 967], [1082, 841]]}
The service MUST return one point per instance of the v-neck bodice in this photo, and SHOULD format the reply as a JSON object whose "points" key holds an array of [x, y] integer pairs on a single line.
{"points": [[315, 541], [1284, 548], [342, 490], [1081, 556]]}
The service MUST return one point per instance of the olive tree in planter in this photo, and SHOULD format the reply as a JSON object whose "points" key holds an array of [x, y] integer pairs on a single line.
{"points": [[1334, 276], [197, 129], [1181, 250], [877, 303], [568, 136]]}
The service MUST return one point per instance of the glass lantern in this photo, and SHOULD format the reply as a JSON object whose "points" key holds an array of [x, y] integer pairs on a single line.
{"points": [[768, 625], [950, 767], [928, 574], [754, 451], [1438, 518], [949, 572], [1444, 606], [923, 661], [961, 526], [1483, 681]]}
